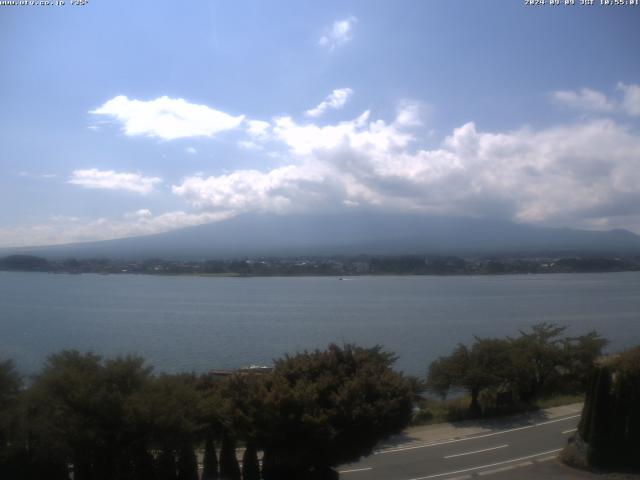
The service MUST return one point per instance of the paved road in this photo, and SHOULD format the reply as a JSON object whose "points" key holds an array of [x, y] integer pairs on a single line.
{"points": [[555, 470], [514, 444]]}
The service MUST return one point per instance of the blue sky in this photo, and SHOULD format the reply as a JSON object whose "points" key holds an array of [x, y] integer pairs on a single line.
{"points": [[128, 118]]}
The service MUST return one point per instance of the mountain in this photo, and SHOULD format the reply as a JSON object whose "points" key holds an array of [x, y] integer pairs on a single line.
{"points": [[350, 234]]}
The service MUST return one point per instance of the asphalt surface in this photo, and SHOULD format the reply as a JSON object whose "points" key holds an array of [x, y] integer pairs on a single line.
{"points": [[497, 451]]}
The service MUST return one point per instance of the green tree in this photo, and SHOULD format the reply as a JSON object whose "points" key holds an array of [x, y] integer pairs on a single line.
{"points": [[243, 417], [187, 462], [210, 462], [168, 410], [581, 354], [167, 468], [62, 413], [625, 423], [24, 263], [214, 422], [486, 364], [78, 409], [10, 386], [325, 408], [11, 428], [537, 361], [600, 418], [538, 355], [229, 467], [250, 464], [610, 421]]}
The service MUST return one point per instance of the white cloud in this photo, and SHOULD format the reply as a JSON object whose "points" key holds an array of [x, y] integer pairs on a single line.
{"points": [[191, 150], [72, 229], [359, 133], [409, 114], [259, 132], [584, 99], [250, 190], [167, 118], [141, 213], [111, 180], [249, 145], [63, 218], [334, 101], [575, 174], [258, 129], [340, 32], [323, 172], [631, 99], [591, 100], [579, 174], [46, 176]]}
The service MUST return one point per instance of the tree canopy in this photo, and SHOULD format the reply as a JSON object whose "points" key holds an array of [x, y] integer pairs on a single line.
{"points": [[486, 364], [113, 419], [610, 421], [530, 364], [329, 407]]}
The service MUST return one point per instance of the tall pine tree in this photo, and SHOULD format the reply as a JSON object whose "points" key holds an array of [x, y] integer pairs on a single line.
{"points": [[229, 468], [210, 467], [187, 463], [250, 465]]}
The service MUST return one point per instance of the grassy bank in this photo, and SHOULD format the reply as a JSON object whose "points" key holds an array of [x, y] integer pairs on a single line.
{"points": [[457, 409]]}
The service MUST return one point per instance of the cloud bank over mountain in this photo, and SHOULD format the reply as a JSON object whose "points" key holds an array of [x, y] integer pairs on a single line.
{"points": [[585, 173], [170, 117]]}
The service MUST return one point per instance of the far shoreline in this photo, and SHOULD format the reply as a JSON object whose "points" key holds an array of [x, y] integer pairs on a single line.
{"points": [[331, 266], [312, 275]]}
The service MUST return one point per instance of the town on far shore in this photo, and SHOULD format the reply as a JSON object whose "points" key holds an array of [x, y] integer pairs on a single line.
{"points": [[329, 265]]}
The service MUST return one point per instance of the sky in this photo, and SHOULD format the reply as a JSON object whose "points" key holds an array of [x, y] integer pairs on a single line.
{"points": [[120, 119]]}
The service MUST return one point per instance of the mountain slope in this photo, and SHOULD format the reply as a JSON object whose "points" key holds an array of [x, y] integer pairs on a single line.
{"points": [[351, 234]]}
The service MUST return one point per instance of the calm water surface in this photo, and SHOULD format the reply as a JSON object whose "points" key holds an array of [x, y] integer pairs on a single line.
{"points": [[200, 323]]}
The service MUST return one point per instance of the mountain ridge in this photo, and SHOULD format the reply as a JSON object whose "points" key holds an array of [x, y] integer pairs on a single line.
{"points": [[349, 234]]}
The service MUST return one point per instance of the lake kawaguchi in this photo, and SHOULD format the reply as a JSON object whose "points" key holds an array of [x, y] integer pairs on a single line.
{"points": [[204, 323]]}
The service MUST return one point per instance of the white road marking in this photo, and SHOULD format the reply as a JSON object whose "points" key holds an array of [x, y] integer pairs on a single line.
{"points": [[501, 432], [477, 451], [487, 466], [571, 430], [356, 470]]}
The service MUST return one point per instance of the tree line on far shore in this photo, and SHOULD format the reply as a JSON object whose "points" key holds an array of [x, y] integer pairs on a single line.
{"points": [[333, 265]]}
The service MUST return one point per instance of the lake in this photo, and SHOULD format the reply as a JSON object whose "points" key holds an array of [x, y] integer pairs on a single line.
{"points": [[202, 323]]}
